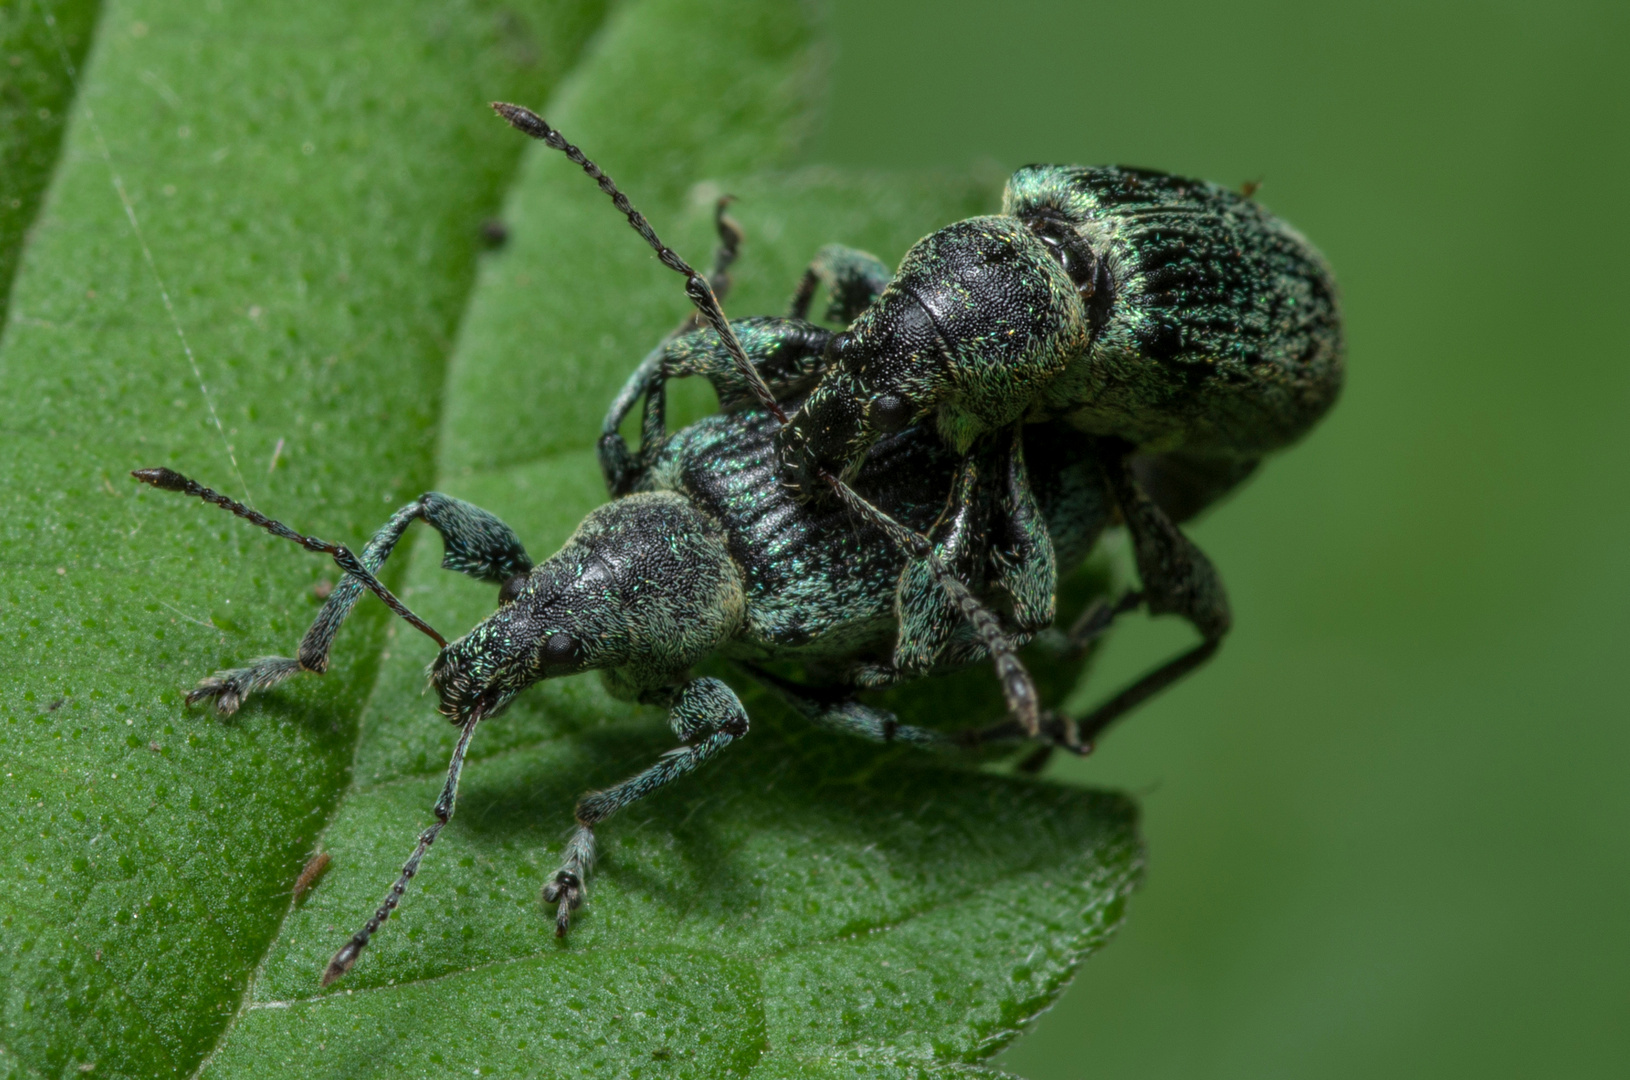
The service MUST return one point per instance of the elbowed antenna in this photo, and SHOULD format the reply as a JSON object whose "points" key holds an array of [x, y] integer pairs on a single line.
{"points": [[170, 480], [697, 288], [346, 958]]}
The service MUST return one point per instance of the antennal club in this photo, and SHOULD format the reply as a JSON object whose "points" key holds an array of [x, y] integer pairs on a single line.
{"points": [[170, 480]]}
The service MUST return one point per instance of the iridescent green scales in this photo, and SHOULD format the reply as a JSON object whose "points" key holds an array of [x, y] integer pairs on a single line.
{"points": [[1219, 331]]}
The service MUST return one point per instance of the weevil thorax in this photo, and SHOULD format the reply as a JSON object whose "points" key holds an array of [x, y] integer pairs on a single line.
{"points": [[979, 319], [1215, 325], [642, 590]]}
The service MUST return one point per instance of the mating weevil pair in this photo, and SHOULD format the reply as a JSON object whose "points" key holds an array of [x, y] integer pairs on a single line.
{"points": [[1116, 345]]}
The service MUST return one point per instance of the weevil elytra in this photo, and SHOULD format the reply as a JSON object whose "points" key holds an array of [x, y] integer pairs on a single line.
{"points": [[708, 553]]}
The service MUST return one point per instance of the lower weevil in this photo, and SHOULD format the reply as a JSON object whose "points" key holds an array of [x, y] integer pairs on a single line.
{"points": [[708, 554]]}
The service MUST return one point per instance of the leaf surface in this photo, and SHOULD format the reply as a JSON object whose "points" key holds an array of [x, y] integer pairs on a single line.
{"points": [[311, 183]]}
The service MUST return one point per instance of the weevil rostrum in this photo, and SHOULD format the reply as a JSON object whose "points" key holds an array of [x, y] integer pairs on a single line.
{"points": [[964, 467]]}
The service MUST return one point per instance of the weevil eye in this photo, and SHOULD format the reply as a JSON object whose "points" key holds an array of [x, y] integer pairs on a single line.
{"points": [[889, 413], [1072, 252], [835, 346], [561, 648], [511, 588]]}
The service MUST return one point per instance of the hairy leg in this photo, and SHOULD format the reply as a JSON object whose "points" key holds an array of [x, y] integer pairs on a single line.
{"points": [[476, 543], [853, 280], [707, 716]]}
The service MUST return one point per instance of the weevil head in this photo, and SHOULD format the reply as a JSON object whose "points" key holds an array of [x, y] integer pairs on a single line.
{"points": [[981, 317], [645, 585]]}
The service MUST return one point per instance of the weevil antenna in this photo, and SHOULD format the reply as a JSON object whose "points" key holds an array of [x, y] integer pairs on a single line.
{"points": [[696, 285], [170, 480], [346, 958]]}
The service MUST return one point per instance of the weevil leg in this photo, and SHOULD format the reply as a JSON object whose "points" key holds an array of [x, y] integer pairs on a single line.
{"points": [[839, 711], [788, 354], [853, 280], [1177, 579], [1096, 620], [707, 716], [928, 618], [1184, 484], [475, 542]]}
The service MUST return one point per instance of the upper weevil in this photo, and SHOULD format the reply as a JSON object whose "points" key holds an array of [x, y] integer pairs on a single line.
{"points": [[1182, 327]]}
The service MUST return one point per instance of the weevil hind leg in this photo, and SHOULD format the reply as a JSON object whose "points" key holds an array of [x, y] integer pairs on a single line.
{"points": [[707, 716], [839, 711], [1177, 579]]}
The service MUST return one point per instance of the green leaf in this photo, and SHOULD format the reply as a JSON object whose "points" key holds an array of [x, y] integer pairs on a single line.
{"points": [[37, 60], [310, 180]]}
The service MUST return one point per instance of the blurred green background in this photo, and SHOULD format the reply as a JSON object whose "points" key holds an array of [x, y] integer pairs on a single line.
{"points": [[1388, 826]]}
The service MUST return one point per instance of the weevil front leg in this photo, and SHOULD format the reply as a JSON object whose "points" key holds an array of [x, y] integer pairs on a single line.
{"points": [[707, 716], [854, 280], [476, 543], [787, 353], [926, 615]]}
